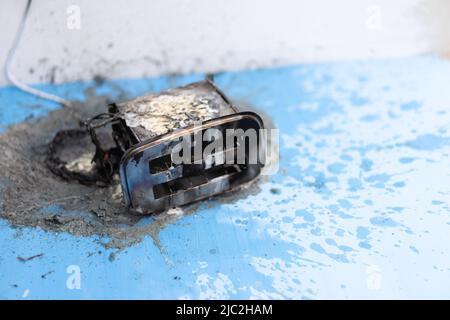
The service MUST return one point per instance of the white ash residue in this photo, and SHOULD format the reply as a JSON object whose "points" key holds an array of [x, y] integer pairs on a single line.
{"points": [[156, 114], [161, 113]]}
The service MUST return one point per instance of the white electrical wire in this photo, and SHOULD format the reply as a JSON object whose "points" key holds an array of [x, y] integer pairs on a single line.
{"points": [[14, 80]]}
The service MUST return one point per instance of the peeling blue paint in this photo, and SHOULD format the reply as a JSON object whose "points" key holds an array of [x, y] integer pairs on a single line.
{"points": [[362, 232], [362, 186], [428, 142], [412, 105], [384, 222]]}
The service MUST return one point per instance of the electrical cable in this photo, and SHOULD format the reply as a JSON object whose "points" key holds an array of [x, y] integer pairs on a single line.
{"points": [[10, 76]]}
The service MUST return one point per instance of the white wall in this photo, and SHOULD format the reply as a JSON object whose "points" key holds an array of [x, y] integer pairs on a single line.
{"points": [[128, 38]]}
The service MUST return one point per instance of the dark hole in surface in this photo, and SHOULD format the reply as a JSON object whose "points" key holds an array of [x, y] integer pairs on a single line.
{"points": [[160, 164], [201, 171], [187, 182]]}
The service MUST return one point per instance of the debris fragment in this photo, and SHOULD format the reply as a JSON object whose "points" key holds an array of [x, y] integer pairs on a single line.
{"points": [[44, 276], [21, 259]]}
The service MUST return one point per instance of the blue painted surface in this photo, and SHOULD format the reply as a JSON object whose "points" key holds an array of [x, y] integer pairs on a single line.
{"points": [[358, 209]]}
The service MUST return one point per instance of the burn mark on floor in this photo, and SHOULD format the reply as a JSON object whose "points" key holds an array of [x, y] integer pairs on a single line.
{"points": [[32, 196]]}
